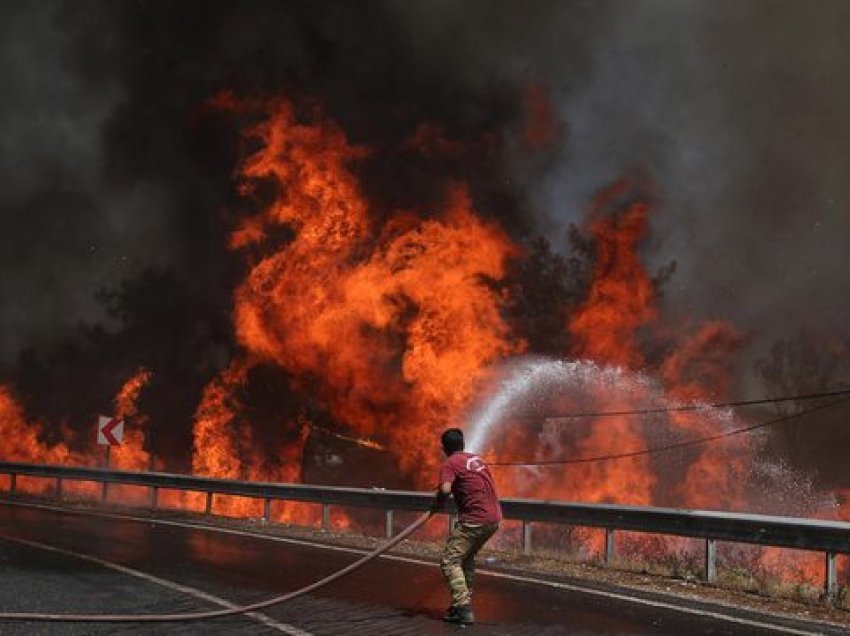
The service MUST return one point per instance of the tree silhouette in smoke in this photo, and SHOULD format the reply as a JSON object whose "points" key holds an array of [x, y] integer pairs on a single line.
{"points": [[155, 320], [543, 287]]}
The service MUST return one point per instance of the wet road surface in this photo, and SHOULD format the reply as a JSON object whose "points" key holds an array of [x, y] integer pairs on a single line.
{"points": [[385, 597]]}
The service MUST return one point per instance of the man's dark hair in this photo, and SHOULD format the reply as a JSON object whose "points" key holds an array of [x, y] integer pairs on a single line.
{"points": [[452, 440]]}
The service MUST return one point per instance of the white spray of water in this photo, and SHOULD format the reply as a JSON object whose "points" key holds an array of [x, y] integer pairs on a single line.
{"points": [[533, 385], [511, 390], [547, 389]]}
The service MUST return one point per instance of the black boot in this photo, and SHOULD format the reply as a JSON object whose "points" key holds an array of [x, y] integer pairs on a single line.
{"points": [[460, 614]]}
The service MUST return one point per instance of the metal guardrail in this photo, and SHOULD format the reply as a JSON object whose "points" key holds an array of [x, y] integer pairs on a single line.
{"points": [[830, 537]]}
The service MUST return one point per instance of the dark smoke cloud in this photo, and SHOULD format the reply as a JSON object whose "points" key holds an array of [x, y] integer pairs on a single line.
{"points": [[109, 165], [64, 231], [739, 111]]}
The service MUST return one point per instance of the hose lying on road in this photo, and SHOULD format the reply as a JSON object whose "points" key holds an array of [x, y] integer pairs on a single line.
{"points": [[162, 618]]}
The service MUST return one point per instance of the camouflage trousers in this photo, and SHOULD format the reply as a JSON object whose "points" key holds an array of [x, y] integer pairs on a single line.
{"points": [[458, 561]]}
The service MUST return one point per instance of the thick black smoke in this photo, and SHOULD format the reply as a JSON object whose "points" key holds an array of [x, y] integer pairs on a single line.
{"points": [[110, 166]]}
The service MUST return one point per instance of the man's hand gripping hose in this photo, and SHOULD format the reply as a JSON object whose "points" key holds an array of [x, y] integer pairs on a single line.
{"points": [[162, 618]]}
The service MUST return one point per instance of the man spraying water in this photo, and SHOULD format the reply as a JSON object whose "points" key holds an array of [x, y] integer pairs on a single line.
{"points": [[469, 481]]}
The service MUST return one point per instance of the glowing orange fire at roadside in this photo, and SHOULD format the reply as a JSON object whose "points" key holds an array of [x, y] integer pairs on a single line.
{"points": [[216, 453], [21, 441], [224, 449], [130, 454]]}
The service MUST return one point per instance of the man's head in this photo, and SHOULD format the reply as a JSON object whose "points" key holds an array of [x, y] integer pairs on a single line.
{"points": [[452, 440]]}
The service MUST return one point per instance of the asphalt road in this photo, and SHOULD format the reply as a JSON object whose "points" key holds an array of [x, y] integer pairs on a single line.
{"points": [[190, 565]]}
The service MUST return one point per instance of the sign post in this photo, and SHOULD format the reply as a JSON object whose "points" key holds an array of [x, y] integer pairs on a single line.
{"points": [[110, 432]]}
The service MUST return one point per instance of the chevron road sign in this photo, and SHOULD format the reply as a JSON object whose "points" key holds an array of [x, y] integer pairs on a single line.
{"points": [[110, 431]]}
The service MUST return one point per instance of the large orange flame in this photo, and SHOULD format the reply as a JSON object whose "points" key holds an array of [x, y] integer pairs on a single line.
{"points": [[395, 324], [131, 455], [621, 295], [21, 440]]}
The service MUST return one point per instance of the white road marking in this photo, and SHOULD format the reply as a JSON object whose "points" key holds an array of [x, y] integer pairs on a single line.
{"points": [[178, 587], [392, 557]]}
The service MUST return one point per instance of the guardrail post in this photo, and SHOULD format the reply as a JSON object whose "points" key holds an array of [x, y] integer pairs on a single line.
{"points": [[526, 537], [452, 522], [13, 479], [326, 517], [610, 546], [152, 497], [59, 488], [388, 524], [267, 511], [710, 561], [209, 504], [104, 492], [831, 582]]}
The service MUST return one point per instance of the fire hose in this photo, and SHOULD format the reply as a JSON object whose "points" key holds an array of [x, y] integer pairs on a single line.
{"points": [[244, 609]]}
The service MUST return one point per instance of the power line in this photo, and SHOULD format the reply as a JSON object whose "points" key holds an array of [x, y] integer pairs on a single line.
{"points": [[675, 445], [692, 407]]}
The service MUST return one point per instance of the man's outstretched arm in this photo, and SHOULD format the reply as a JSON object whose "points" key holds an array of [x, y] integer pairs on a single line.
{"points": [[442, 495]]}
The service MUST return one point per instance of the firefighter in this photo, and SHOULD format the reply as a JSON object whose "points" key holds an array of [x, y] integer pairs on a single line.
{"points": [[466, 477]]}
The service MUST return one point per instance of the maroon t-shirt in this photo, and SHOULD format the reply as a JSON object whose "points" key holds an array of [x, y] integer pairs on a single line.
{"points": [[472, 487]]}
